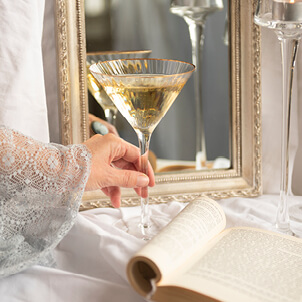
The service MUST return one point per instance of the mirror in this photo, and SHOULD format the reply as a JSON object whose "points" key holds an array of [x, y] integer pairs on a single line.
{"points": [[242, 82], [195, 127]]}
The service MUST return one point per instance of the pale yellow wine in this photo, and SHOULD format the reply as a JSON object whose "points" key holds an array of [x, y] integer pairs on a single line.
{"points": [[143, 105], [98, 92]]}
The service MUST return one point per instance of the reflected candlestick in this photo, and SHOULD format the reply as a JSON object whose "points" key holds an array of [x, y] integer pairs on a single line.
{"points": [[195, 14], [290, 10]]}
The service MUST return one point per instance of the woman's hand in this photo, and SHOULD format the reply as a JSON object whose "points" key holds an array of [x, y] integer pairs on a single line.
{"points": [[115, 164]]}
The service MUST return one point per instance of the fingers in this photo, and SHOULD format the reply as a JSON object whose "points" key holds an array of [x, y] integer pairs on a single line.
{"points": [[127, 178], [115, 163], [115, 195], [126, 151], [122, 164], [112, 129], [127, 157]]}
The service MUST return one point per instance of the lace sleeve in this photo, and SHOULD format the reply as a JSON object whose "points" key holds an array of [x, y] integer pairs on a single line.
{"points": [[41, 186]]}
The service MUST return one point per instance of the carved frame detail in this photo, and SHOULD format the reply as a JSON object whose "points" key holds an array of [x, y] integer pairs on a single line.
{"points": [[71, 53]]}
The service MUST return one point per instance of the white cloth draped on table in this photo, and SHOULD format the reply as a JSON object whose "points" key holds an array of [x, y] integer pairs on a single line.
{"points": [[92, 257]]}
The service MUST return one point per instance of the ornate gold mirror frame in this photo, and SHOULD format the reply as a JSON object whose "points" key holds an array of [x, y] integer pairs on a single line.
{"points": [[244, 176]]}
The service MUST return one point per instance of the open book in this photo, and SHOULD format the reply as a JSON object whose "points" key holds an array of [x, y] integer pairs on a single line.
{"points": [[194, 258]]}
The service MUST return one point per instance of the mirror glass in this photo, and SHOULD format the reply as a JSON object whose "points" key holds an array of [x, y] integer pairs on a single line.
{"points": [[230, 89], [136, 25]]}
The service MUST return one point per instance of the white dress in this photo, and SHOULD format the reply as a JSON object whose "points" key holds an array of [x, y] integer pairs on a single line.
{"points": [[22, 88], [41, 184], [41, 187]]}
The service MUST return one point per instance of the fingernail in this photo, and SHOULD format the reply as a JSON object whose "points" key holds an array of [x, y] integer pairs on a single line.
{"points": [[142, 181], [99, 128]]}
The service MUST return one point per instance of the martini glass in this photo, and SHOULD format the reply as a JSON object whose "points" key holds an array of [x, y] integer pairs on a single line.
{"points": [[143, 90], [96, 89]]}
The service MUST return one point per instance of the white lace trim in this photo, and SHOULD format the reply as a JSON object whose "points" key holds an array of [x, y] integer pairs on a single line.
{"points": [[41, 187]]}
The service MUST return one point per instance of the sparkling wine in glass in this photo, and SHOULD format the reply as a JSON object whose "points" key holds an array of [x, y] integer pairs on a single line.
{"points": [[284, 17], [94, 86], [143, 90]]}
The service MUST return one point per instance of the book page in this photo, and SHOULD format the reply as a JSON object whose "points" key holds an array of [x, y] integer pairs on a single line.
{"points": [[201, 220], [249, 265]]}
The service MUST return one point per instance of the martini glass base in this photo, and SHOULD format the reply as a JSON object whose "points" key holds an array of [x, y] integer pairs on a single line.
{"points": [[134, 227]]}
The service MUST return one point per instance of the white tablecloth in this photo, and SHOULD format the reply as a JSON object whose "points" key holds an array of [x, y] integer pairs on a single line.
{"points": [[92, 258]]}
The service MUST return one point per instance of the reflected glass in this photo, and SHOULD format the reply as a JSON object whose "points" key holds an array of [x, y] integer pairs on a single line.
{"points": [[96, 90], [149, 24]]}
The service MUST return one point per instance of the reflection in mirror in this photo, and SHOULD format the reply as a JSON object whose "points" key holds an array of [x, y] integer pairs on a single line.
{"points": [[195, 15], [121, 25], [96, 90], [242, 108]]}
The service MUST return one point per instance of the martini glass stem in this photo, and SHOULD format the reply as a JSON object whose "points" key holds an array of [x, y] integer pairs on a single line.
{"points": [[144, 141], [196, 30], [289, 49], [110, 115]]}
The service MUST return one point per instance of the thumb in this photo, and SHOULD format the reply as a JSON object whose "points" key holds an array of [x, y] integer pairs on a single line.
{"points": [[128, 179]]}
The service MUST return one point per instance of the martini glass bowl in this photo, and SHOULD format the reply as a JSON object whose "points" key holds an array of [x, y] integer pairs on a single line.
{"points": [[95, 88], [143, 90]]}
